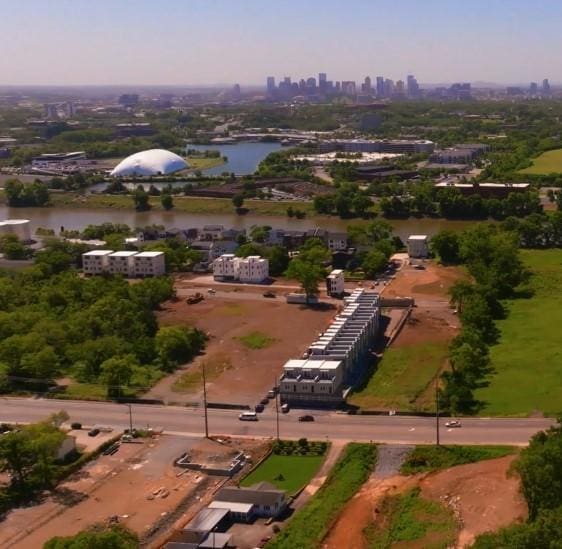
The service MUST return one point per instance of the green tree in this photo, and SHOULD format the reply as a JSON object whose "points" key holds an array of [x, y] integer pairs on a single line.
{"points": [[116, 372], [374, 262], [167, 201], [459, 292], [238, 201], [12, 248], [308, 274], [141, 199], [97, 537], [445, 245], [178, 344]]}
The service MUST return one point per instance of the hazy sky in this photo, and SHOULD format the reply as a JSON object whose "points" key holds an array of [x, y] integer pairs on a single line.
{"points": [[227, 41]]}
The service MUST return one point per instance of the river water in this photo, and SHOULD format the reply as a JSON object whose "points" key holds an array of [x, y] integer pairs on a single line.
{"points": [[243, 158], [78, 218]]}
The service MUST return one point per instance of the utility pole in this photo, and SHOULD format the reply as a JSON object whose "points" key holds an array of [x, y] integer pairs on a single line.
{"points": [[205, 400], [437, 409], [276, 407], [130, 418]]}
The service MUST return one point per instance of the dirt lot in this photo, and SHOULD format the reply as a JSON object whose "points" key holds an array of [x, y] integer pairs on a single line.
{"points": [[482, 496], [139, 484], [235, 373]]}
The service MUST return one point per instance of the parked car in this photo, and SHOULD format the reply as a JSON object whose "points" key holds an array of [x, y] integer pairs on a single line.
{"points": [[269, 294], [306, 418], [452, 424], [271, 394], [76, 426], [259, 408], [211, 291], [264, 401], [93, 432], [285, 408], [248, 416]]}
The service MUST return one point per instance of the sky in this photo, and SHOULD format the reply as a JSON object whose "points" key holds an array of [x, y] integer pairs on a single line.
{"points": [[194, 42]]}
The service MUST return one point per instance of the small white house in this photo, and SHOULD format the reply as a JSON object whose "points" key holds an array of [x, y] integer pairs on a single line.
{"points": [[335, 283], [418, 245], [253, 269]]}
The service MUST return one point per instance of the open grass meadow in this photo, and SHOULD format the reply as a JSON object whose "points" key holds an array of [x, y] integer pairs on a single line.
{"points": [[290, 473], [408, 520], [256, 340], [308, 527], [402, 377], [546, 163], [528, 358]]}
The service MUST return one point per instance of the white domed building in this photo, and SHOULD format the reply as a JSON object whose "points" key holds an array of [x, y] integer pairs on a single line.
{"points": [[151, 162]]}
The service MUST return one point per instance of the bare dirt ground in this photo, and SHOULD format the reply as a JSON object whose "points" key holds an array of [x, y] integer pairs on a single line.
{"points": [[138, 484], [482, 495], [244, 375]]}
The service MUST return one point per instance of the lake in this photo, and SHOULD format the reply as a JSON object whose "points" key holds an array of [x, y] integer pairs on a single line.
{"points": [[243, 158], [78, 218]]}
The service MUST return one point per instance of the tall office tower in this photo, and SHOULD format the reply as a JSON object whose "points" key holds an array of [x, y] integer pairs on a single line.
{"points": [[412, 86], [399, 88], [322, 78], [51, 110], [287, 80], [236, 92], [348, 87], [366, 87], [533, 88], [546, 86], [338, 86], [311, 84], [388, 87], [380, 86], [270, 84], [69, 109], [302, 85]]}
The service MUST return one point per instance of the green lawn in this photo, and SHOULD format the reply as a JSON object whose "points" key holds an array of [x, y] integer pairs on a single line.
{"points": [[410, 521], [203, 163], [288, 473], [402, 377], [528, 358], [308, 527], [546, 163], [256, 340], [423, 459]]}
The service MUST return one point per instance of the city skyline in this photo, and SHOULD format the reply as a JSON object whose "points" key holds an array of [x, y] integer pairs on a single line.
{"points": [[218, 42]]}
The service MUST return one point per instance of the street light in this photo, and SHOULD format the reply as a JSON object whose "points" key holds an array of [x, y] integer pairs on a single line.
{"points": [[437, 410], [205, 400], [130, 418]]}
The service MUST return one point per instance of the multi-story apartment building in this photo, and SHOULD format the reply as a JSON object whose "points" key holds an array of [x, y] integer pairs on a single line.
{"points": [[95, 262], [335, 283], [149, 264], [418, 246], [336, 360], [253, 269]]}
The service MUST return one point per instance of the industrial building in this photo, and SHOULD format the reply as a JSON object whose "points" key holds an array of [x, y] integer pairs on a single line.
{"points": [[486, 190], [459, 154], [418, 246], [396, 146], [19, 227], [127, 263], [253, 269], [336, 361]]}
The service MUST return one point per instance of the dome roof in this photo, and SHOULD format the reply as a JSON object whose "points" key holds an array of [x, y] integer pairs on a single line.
{"points": [[151, 162]]}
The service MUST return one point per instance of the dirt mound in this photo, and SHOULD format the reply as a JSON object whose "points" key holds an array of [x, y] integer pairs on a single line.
{"points": [[483, 497]]}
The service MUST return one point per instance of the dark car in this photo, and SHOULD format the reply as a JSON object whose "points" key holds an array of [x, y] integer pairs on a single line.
{"points": [[258, 408], [306, 418], [269, 294], [93, 432], [264, 401]]}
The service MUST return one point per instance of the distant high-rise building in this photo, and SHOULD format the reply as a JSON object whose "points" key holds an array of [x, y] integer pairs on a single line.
{"points": [[348, 87], [388, 87], [69, 109], [236, 91], [129, 99], [546, 86], [322, 79], [271, 84], [460, 91], [380, 86], [302, 85], [412, 86], [311, 83], [400, 88], [366, 87], [51, 110], [533, 88]]}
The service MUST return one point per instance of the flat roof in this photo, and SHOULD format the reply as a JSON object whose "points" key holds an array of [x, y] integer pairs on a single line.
{"points": [[123, 254], [98, 252], [417, 237], [149, 254], [233, 506], [206, 519], [14, 222]]}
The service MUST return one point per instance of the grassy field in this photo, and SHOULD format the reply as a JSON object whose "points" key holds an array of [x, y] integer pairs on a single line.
{"points": [[528, 358], [288, 473], [192, 379], [256, 340], [309, 525], [546, 163], [410, 521], [188, 204], [202, 163], [402, 377], [434, 458]]}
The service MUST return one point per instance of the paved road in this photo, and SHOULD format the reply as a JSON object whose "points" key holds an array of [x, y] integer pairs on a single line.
{"points": [[328, 425]]}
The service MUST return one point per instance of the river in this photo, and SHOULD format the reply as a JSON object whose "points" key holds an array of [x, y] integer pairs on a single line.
{"points": [[243, 158], [78, 218]]}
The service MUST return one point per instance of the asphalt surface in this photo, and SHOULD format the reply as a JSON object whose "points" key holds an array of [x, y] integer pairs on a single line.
{"points": [[327, 425]]}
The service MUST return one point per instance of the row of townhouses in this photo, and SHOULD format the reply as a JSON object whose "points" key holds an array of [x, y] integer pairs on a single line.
{"points": [[126, 263], [252, 269], [336, 361]]}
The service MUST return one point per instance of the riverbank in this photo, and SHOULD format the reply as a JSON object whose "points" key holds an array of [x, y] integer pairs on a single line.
{"points": [[204, 163], [185, 204]]}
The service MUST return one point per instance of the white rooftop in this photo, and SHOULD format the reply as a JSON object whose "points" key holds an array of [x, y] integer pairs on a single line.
{"points": [[14, 222], [99, 252], [150, 162], [417, 237], [232, 506], [149, 254], [123, 254]]}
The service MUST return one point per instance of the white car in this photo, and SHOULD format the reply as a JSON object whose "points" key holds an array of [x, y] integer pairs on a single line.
{"points": [[211, 291], [453, 424]]}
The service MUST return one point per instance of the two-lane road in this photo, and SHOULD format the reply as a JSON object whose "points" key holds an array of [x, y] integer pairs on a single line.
{"points": [[327, 425]]}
